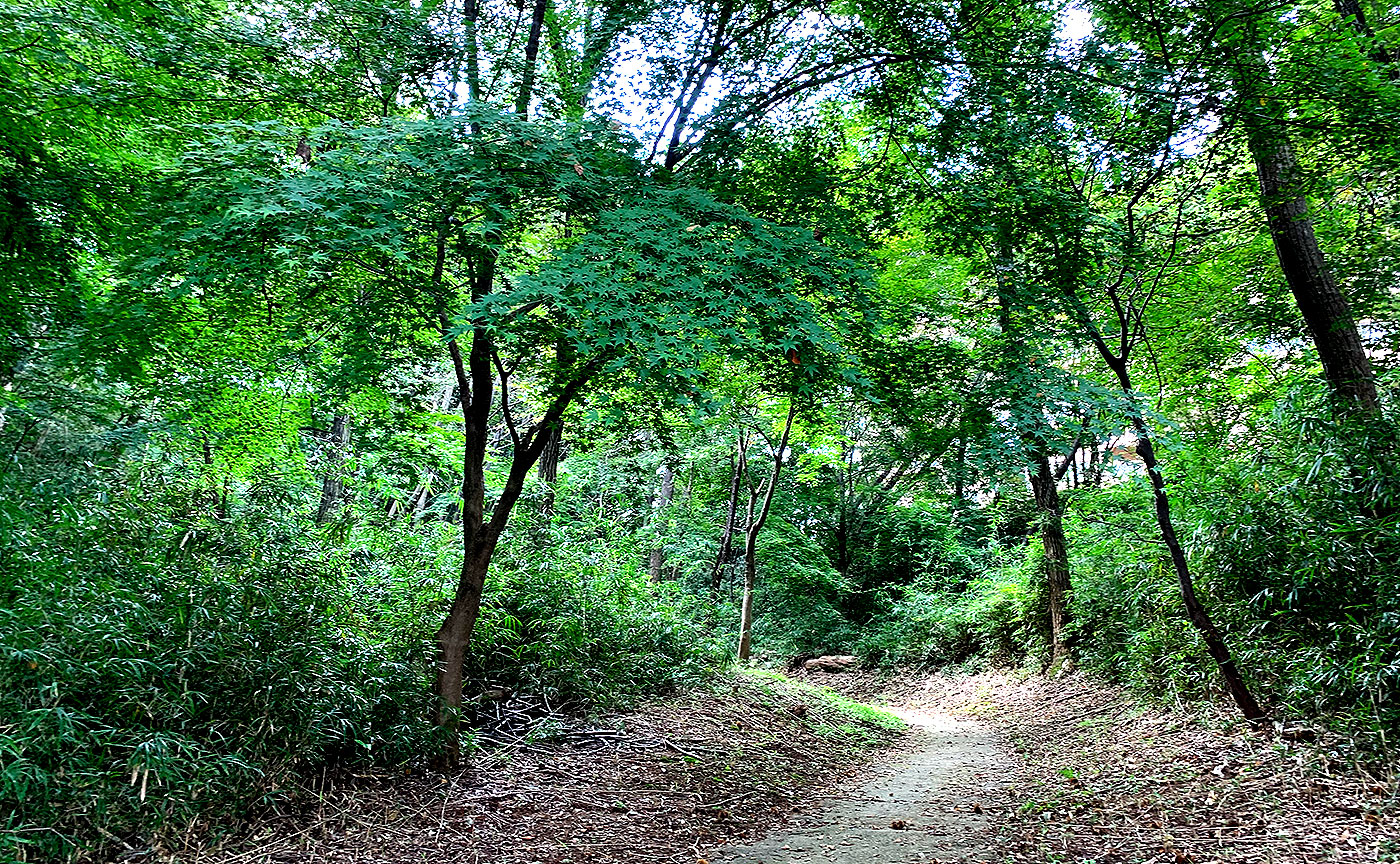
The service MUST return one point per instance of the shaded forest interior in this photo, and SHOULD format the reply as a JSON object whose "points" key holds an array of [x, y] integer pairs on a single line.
{"points": [[369, 365]]}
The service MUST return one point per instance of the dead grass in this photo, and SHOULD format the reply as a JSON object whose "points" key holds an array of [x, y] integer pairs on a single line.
{"points": [[670, 782], [1109, 779]]}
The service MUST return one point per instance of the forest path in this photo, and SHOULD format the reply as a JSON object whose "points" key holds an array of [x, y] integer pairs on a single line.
{"points": [[931, 802]]}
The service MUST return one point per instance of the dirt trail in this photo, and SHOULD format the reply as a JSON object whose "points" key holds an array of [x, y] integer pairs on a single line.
{"points": [[933, 801]]}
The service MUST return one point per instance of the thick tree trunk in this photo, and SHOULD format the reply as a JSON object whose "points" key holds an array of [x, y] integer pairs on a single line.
{"points": [[549, 460], [1052, 538], [1319, 298], [751, 537], [659, 513], [332, 486], [548, 467]]}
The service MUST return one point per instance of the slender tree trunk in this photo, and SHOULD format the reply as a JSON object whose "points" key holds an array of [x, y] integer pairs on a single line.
{"points": [[1043, 481], [1315, 289], [751, 537], [532, 50], [1052, 538], [726, 542], [659, 513], [1195, 610], [332, 486], [843, 552], [475, 379], [422, 497], [554, 443], [1354, 13], [481, 534]]}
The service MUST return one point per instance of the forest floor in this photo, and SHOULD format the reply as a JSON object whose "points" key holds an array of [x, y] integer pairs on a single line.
{"points": [[670, 781], [1105, 777], [755, 769]]}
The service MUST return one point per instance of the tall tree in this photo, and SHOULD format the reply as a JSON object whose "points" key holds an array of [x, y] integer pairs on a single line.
{"points": [[1284, 199], [760, 503], [398, 230]]}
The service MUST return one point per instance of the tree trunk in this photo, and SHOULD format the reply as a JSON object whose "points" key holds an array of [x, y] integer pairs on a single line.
{"points": [[726, 542], [843, 552], [660, 510], [476, 382], [1043, 481], [554, 441], [480, 534], [422, 497], [1319, 298], [750, 580], [455, 635], [1354, 13], [548, 467], [1052, 538], [751, 537], [549, 460], [332, 487], [1195, 610], [532, 50]]}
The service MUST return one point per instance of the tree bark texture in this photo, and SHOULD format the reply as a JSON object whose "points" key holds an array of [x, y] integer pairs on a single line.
{"points": [[660, 510], [332, 486], [1052, 538], [1320, 300]]}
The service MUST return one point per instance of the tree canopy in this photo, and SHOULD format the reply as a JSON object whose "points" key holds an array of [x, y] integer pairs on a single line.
{"points": [[363, 358]]}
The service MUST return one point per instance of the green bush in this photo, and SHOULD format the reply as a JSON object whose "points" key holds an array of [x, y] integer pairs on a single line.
{"points": [[990, 619], [152, 674], [171, 657]]}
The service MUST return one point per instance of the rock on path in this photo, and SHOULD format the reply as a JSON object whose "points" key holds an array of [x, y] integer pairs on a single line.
{"points": [[934, 802]]}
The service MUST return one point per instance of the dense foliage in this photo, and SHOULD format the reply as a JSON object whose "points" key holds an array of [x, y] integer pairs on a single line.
{"points": [[365, 362]]}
